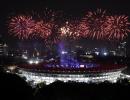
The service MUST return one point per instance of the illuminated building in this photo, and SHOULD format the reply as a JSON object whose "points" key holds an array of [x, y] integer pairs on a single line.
{"points": [[84, 73]]}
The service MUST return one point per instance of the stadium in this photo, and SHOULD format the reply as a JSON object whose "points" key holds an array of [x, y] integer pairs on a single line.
{"points": [[81, 72]]}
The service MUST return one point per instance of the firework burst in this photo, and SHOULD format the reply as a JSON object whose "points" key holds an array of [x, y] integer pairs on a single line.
{"points": [[96, 24], [69, 30], [83, 29], [50, 27], [21, 26], [43, 29], [118, 27]]}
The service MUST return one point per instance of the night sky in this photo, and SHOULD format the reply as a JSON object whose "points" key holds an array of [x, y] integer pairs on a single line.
{"points": [[74, 7]]}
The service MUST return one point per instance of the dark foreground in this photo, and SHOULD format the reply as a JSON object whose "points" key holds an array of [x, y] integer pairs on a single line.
{"points": [[14, 87]]}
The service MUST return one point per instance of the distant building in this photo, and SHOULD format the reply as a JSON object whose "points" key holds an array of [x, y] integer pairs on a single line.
{"points": [[3, 49], [121, 50], [15, 53]]}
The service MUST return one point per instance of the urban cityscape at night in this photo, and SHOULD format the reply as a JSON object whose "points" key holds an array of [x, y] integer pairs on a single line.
{"points": [[65, 49]]}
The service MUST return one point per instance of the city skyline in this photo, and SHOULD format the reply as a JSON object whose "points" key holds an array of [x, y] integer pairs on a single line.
{"points": [[69, 7]]}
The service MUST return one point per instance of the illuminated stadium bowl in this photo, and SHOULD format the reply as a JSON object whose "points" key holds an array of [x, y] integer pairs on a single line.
{"points": [[48, 73]]}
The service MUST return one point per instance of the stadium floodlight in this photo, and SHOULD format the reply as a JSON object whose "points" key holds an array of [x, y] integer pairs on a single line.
{"points": [[105, 53], [81, 66], [63, 52], [31, 62], [36, 62]]}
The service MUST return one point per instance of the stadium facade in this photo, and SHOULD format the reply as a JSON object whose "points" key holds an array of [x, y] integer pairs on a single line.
{"points": [[35, 76]]}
